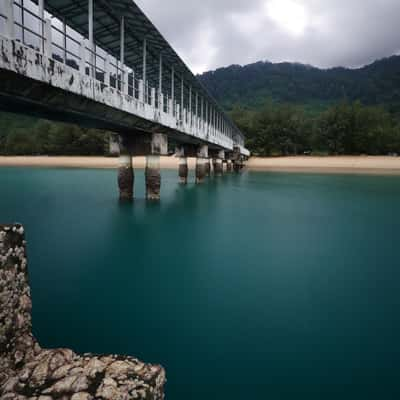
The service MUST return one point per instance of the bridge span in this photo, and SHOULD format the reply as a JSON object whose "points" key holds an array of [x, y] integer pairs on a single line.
{"points": [[103, 64]]}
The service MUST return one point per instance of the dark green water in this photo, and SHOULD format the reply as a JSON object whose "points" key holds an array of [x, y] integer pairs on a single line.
{"points": [[259, 286]]}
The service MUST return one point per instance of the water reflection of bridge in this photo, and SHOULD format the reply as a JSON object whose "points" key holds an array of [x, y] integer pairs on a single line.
{"points": [[105, 65]]}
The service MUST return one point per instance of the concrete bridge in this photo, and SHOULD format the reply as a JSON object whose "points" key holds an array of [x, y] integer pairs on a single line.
{"points": [[103, 64]]}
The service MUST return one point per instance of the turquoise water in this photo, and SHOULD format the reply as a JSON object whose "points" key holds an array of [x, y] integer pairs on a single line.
{"points": [[259, 286]]}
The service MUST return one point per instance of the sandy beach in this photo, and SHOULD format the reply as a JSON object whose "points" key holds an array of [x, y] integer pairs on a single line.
{"points": [[338, 164], [332, 164]]}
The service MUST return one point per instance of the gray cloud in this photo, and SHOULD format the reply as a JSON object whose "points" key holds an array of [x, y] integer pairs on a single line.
{"points": [[325, 33]]}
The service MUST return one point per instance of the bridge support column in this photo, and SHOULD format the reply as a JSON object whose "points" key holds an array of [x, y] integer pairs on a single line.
{"points": [[125, 172], [214, 165], [237, 160], [201, 164], [218, 169], [158, 146], [153, 177], [114, 148], [229, 165], [237, 166], [218, 163], [183, 169], [200, 169], [208, 167]]}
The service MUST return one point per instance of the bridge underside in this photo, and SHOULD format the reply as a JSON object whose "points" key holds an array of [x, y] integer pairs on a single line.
{"points": [[20, 94], [144, 122]]}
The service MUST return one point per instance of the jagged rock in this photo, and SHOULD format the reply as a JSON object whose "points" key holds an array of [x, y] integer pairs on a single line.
{"points": [[81, 396], [27, 372]]}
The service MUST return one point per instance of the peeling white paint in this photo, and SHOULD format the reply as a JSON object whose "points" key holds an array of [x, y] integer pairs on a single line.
{"points": [[30, 63]]}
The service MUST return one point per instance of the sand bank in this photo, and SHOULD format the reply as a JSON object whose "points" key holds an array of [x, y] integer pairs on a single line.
{"points": [[334, 164], [80, 162], [351, 164]]}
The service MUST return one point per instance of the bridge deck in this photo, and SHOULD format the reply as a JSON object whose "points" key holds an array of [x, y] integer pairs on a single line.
{"points": [[107, 64]]}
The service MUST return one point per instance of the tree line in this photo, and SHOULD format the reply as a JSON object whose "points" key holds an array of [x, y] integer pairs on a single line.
{"points": [[275, 129], [346, 128], [20, 135]]}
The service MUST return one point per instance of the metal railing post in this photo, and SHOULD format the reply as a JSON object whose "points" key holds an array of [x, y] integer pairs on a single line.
{"points": [[161, 104], [107, 70], [82, 56], [9, 10], [141, 90], [124, 72], [153, 97], [48, 42]]}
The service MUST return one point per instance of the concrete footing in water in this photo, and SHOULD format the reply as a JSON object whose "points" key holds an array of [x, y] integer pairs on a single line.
{"points": [[208, 167], [201, 169], [201, 163], [237, 166], [153, 146], [218, 167], [153, 177], [183, 170], [149, 145], [126, 175]]}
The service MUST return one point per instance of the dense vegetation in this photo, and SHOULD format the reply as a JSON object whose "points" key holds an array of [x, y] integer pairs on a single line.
{"points": [[283, 109], [345, 128], [292, 108], [251, 85], [20, 135]]}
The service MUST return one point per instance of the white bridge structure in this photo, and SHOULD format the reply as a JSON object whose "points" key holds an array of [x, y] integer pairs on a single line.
{"points": [[103, 64]]}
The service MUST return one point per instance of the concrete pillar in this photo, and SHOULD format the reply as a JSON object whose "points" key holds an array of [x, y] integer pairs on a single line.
{"points": [[208, 167], [125, 171], [229, 165], [183, 170], [214, 165], [201, 169], [153, 177], [237, 166], [114, 148], [201, 163], [158, 146], [218, 167]]}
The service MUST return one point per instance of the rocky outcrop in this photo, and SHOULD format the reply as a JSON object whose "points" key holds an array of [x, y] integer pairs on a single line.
{"points": [[29, 372]]}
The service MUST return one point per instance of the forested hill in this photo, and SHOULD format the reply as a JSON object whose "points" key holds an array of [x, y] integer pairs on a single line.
{"points": [[252, 85], [282, 108]]}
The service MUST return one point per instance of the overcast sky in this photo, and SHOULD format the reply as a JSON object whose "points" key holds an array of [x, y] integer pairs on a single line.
{"points": [[209, 34]]}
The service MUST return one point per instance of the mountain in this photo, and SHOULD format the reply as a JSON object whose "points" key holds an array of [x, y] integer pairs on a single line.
{"points": [[252, 85]]}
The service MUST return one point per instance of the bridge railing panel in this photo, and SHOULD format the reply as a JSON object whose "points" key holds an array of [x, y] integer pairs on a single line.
{"points": [[57, 40], [28, 26]]}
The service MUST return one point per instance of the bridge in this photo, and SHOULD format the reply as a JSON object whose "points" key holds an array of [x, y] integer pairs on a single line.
{"points": [[103, 64]]}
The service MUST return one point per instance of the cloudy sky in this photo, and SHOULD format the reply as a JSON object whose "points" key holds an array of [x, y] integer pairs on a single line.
{"points": [[213, 33]]}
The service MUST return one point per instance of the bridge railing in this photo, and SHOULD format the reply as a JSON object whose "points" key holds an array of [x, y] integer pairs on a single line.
{"points": [[57, 40]]}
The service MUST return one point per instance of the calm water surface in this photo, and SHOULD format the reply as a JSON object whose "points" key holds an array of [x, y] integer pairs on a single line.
{"points": [[260, 286]]}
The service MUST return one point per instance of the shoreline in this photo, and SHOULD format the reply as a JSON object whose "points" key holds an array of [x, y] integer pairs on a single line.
{"points": [[382, 165]]}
